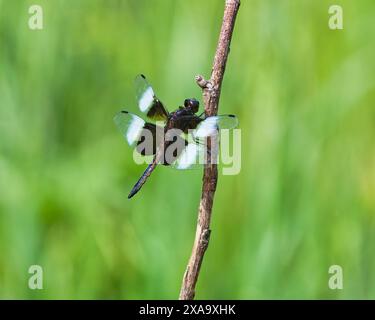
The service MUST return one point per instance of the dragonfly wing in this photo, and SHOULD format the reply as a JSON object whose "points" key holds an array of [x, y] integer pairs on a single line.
{"points": [[185, 154], [138, 133], [148, 103], [211, 125]]}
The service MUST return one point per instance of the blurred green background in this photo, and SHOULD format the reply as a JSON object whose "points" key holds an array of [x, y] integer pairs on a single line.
{"points": [[303, 201]]}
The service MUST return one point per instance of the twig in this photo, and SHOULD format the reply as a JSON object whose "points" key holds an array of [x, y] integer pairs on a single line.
{"points": [[211, 95]]}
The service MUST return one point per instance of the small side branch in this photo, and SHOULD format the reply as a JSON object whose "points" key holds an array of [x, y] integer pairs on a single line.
{"points": [[202, 82], [211, 94]]}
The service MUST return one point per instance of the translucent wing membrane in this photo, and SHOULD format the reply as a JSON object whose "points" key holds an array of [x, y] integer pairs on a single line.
{"points": [[183, 154], [148, 103], [211, 125], [130, 126], [138, 133]]}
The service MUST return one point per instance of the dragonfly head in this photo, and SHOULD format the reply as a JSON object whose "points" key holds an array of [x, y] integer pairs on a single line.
{"points": [[193, 104]]}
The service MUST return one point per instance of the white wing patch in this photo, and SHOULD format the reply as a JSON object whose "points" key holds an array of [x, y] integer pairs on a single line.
{"points": [[130, 126], [188, 157], [146, 100], [211, 125], [134, 130], [207, 128]]}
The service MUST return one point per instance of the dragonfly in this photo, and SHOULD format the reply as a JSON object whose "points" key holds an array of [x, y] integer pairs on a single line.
{"points": [[175, 139]]}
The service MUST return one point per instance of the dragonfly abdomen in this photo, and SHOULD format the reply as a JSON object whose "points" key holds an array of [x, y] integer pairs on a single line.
{"points": [[141, 181]]}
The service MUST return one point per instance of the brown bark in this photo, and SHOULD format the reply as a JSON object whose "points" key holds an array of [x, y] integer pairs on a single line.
{"points": [[211, 95]]}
